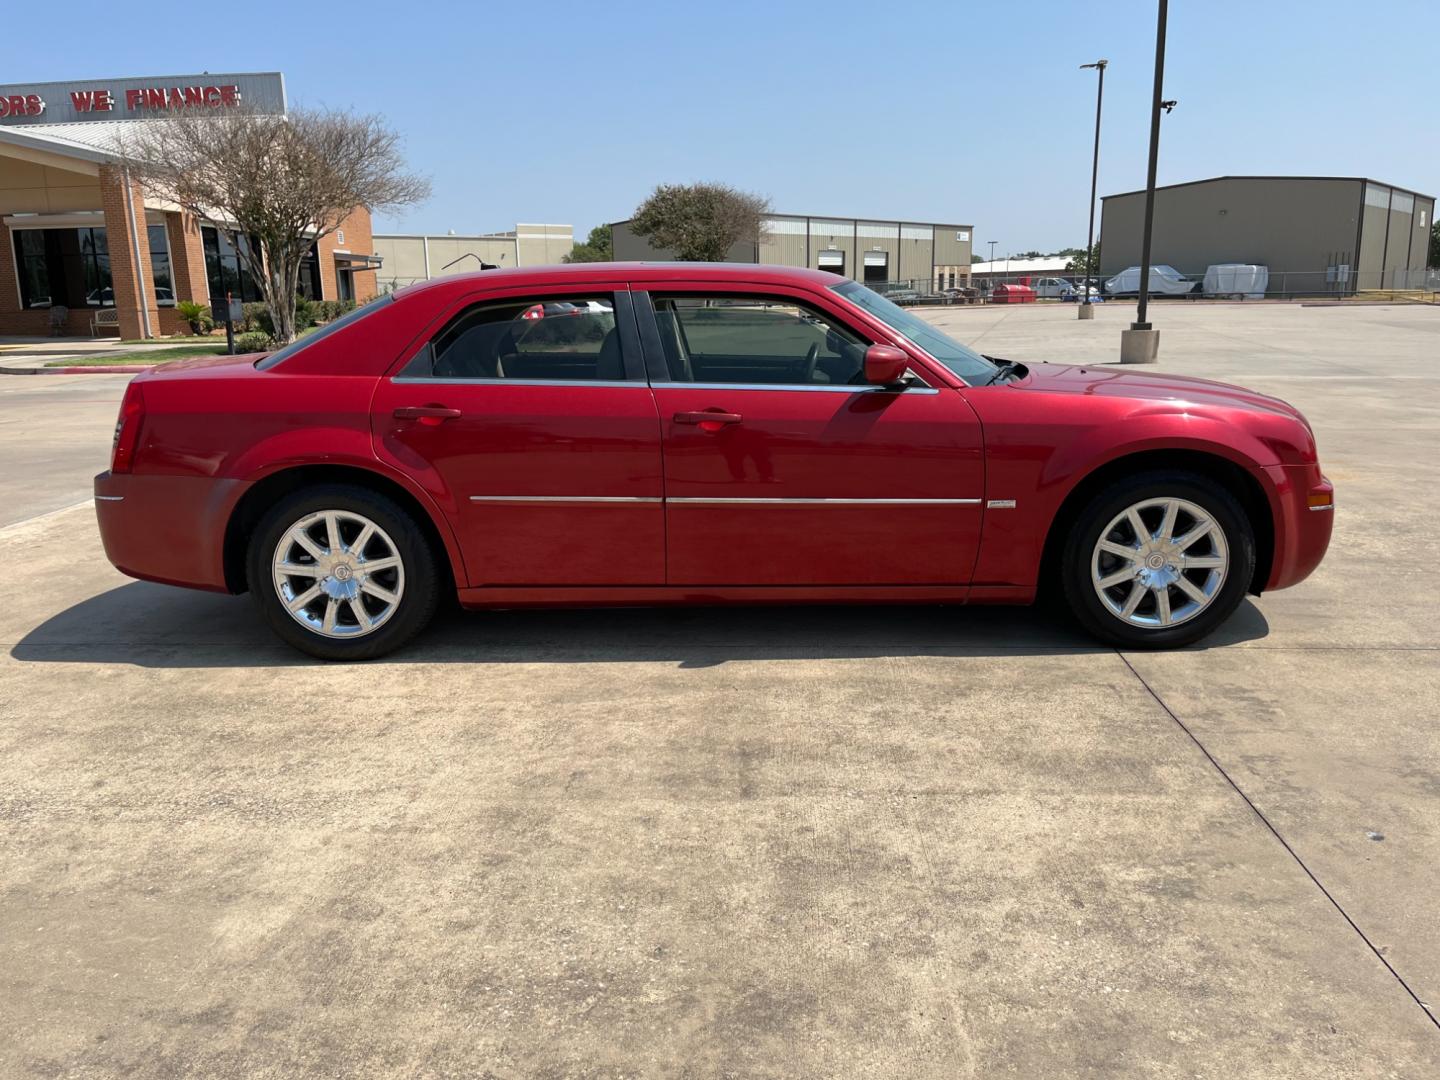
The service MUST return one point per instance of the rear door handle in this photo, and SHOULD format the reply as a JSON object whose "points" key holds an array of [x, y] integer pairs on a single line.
{"points": [[710, 421], [434, 413]]}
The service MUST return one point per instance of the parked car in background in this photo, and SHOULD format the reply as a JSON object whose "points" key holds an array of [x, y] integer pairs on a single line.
{"points": [[1237, 281], [703, 434], [1058, 288], [1164, 281]]}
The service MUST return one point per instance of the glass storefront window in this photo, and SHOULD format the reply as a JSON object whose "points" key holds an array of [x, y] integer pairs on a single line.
{"points": [[224, 268], [160, 266], [64, 267]]}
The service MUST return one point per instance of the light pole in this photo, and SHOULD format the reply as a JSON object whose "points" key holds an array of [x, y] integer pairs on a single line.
{"points": [[1141, 343], [1085, 311]]}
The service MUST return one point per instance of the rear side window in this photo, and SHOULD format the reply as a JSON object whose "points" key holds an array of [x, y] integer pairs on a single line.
{"points": [[546, 339], [267, 362]]}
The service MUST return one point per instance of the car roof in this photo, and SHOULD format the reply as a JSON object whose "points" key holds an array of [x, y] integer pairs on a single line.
{"points": [[636, 272]]}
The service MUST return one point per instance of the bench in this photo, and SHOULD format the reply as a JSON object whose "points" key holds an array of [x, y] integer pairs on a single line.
{"points": [[105, 318]]}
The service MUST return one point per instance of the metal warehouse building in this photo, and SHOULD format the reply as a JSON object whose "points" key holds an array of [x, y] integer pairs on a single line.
{"points": [[409, 258], [922, 256], [1317, 234]]}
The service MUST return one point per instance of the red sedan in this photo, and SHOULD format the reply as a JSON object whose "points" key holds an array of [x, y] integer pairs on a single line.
{"points": [[696, 434]]}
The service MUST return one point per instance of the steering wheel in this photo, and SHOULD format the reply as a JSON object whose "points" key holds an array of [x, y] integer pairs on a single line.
{"points": [[810, 359]]}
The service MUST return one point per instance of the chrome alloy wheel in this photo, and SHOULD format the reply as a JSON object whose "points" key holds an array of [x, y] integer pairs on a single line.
{"points": [[338, 573], [1159, 563]]}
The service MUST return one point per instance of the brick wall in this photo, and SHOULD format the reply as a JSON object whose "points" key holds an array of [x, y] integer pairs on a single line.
{"points": [[358, 239], [133, 283]]}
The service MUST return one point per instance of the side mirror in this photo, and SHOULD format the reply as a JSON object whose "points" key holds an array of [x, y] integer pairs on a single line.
{"points": [[885, 365]]}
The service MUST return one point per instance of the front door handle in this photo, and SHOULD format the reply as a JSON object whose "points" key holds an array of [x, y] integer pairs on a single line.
{"points": [[708, 420], [427, 414]]}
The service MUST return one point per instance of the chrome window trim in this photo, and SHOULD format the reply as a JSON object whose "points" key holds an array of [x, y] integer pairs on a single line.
{"points": [[428, 381], [110, 498], [803, 388]]}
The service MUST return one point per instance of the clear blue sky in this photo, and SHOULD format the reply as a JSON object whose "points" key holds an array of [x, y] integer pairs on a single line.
{"points": [[973, 113]]}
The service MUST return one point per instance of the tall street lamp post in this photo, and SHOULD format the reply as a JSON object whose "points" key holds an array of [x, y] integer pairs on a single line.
{"points": [[1141, 343], [1084, 310]]}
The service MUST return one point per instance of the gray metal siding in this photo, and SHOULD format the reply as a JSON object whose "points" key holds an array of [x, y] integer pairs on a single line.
{"points": [[1291, 225]]}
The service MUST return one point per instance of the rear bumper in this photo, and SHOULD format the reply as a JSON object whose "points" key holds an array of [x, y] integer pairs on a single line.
{"points": [[169, 529], [1302, 532]]}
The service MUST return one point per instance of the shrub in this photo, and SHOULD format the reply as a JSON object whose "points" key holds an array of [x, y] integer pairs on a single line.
{"points": [[196, 314], [307, 313], [252, 341], [257, 320]]}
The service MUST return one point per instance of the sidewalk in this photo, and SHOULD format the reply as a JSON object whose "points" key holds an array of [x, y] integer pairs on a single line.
{"points": [[30, 355]]}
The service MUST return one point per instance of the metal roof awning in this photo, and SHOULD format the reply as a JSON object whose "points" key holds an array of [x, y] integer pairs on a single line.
{"points": [[349, 260]]}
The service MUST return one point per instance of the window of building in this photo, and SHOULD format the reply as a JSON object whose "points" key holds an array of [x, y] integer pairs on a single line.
{"points": [[63, 267], [757, 340], [160, 265], [550, 339], [310, 275], [225, 269]]}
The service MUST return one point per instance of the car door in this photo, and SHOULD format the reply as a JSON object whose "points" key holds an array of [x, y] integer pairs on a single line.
{"points": [[782, 467], [526, 415]]}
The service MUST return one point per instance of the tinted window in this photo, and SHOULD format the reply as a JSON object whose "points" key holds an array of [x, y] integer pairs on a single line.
{"points": [[766, 340], [966, 363], [561, 339]]}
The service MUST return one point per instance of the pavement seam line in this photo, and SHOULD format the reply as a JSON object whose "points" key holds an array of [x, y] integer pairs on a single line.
{"points": [[1429, 1015], [16, 526]]}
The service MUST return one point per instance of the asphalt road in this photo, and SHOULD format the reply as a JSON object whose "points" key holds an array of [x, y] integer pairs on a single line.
{"points": [[809, 842]]}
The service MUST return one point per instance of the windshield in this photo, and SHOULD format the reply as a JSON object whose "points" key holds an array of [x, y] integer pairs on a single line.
{"points": [[265, 363], [965, 362]]}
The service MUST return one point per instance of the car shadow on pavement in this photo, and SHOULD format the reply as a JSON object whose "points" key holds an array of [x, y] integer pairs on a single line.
{"points": [[156, 626]]}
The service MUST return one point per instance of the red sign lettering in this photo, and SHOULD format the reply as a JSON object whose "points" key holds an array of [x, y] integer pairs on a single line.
{"points": [[103, 101], [82, 99], [15, 105]]}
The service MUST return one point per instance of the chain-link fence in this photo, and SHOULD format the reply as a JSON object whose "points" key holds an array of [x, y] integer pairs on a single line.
{"points": [[1339, 282]]}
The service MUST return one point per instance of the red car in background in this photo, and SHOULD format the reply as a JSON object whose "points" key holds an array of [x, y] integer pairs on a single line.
{"points": [[696, 434]]}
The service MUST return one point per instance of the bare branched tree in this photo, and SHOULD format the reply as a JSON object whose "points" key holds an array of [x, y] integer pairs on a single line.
{"points": [[701, 222], [282, 181]]}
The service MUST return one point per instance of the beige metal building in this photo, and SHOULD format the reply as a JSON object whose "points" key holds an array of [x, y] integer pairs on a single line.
{"points": [[411, 258], [1317, 234], [923, 256]]}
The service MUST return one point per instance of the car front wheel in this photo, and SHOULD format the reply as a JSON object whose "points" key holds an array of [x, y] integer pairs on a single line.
{"points": [[1158, 560], [342, 573]]}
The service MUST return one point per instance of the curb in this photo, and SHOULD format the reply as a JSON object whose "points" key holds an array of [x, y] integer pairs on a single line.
{"points": [[93, 369]]}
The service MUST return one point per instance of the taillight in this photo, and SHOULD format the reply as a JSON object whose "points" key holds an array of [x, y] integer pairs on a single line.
{"points": [[534, 311], [127, 430]]}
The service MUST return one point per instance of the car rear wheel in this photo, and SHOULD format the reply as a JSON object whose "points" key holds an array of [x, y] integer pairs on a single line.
{"points": [[342, 573], [1158, 560]]}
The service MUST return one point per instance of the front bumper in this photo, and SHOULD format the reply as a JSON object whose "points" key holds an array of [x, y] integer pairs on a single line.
{"points": [[169, 529], [1302, 531]]}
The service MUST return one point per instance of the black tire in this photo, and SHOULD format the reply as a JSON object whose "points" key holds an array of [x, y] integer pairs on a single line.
{"points": [[419, 563], [1085, 533]]}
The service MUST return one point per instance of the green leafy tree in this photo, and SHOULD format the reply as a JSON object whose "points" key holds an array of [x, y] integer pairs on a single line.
{"points": [[1434, 259], [1079, 264], [701, 222], [598, 247]]}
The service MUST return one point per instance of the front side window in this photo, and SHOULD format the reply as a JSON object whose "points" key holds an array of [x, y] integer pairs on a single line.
{"points": [[963, 361], [547, 339], [757, 340]]}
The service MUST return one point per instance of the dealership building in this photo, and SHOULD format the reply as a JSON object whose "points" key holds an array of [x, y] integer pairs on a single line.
{"points": [[1316, 234], [875, 251], [84, 249], [408, 258]]}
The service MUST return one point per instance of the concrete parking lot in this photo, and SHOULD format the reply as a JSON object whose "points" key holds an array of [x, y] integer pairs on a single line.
{"points": [[749, 843]]}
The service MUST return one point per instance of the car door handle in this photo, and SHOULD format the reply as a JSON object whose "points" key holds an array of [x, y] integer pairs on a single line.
{"points": [[708, 420], [433, 413]]}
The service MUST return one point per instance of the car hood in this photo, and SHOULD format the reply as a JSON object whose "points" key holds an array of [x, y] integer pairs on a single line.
{"points": [[1149, 386]]}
